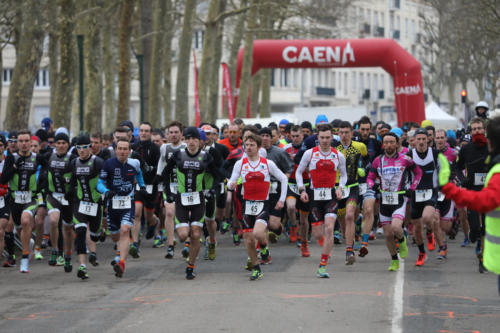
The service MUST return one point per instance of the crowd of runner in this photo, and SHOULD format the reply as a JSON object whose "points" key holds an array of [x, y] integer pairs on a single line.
{"points": [[332, 183]]}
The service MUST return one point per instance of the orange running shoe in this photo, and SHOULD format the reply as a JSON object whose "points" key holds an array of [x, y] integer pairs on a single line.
{"points": [[293, 234], [422, 257], [119, 269], [305, 250], [431, 242]]}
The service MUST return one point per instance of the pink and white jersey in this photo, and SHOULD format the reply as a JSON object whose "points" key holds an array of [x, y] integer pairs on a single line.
{"points": [[392, 172]]}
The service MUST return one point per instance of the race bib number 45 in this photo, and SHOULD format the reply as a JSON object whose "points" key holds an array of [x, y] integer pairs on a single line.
{"points": [[253, 208]]}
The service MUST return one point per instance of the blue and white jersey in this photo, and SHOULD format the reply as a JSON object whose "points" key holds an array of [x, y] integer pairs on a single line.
{"points": [[120, 177]]}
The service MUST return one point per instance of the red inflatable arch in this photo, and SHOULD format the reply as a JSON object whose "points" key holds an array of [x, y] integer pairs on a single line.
{"points": [[375, 52]]}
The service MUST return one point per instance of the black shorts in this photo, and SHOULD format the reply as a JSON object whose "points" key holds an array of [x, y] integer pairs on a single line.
{"points": [[388, 212], [192, 215], [446, 209], [17, 210], [417, 208], [273, 200], [5, 210], [248, 221], [299, 205], [147, 200], [322, 208], [220, 196], [65, 211], [353, 197], [93, 222], [210, 208]]}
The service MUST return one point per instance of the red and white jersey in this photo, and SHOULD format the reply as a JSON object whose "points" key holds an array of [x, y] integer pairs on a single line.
{"points": [[256, 179], [323, 168], [292, 151]]}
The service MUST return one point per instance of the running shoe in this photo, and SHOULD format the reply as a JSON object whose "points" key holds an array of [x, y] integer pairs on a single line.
{"points": [[293, 234], [170, 252], [482, 269], [119, 268], [185, 251], [431, 242], [380, 231], [93, 259], [403, 249], [38, 255], [10, 262], [102, 237], [236, 239], [134, 250], [350, 258], [249, 265], [53, 258], [45, 242], [115, 260], [68, 266], [337, 238], [265, 258], [305, 250], [205, 253], [465, 242], [190, 273], [226, 225], [150, 232], [372, 236], [322, 273], [211, 251], [394, 266], [256, 275], [363, 251], [82, 272], [158, 242], [24, 265], [422, 257], [60, 261]]}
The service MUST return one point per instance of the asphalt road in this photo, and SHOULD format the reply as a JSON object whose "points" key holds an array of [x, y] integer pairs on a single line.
{"points": [[154, 296]]}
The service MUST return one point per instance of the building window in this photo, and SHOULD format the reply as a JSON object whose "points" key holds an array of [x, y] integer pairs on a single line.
{"points": [[353, 82], [42, 79], [272, 77], [198, 39], [7, 75], [284, 77]]}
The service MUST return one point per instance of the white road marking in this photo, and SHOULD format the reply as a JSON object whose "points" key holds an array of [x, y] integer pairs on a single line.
{"points": [[397, 300]]}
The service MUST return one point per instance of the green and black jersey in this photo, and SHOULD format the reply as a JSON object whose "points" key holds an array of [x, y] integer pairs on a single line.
{"points": [[59, 172], [85, 174], [20, 172]]}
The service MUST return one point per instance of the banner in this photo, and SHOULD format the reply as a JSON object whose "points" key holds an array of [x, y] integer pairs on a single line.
{"points": [[196, 96], [226, 84]]}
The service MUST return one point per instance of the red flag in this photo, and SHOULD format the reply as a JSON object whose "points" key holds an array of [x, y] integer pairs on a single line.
{"points": [[226, 82], [196, 98]]}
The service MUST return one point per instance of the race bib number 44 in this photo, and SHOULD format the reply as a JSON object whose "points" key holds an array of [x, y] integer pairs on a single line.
{"points": [[121, 202], [322, 194], [253, 208]]}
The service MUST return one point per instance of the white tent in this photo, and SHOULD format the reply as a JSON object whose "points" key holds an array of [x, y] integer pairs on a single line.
{"points": [[439, 118]]}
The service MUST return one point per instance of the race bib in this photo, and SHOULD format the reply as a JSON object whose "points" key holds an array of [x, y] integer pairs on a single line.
{"points": [[390, 198], [173, 188], [294, 188], [2, 202], [423, 195], [323, 193], [190, 198], [60, 197], [363, 188], [274, 188], [441, 197], [121, 202], [253, 208], [149, 188], [345, 192], [22, 197], [479, 178], [88, 208]]}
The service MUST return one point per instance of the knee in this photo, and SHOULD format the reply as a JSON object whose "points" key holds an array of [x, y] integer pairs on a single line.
{"points": [[196, 233], [25, 221]]}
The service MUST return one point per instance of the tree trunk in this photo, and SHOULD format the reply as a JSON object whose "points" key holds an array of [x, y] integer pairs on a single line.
{"points": [[213, 87], [254, 94], [30, 49], [93, 70], [246, 71], [451, 95], [124, 34], [182, 84], [147, 50], [208, 56], [266, 21], [169, 27], [156, 64], [1, 78], [52, 14], [109, 77], [236, 42]]}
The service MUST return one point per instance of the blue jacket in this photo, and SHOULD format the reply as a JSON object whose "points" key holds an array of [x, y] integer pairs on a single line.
{"points": [[120, 177]]}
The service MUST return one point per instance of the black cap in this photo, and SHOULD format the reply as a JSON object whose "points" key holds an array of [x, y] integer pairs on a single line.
{"points": [[61, 136], [127, 123], [83, 140], [385, 126], [13, 135], [420, 131], [265, 130], [306, 124], [191, 132], [42, 135]]}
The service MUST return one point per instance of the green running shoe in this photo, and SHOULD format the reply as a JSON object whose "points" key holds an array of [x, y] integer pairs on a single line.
{"points": [[38, 255], [158, 242], [82, 272], [256, 275], [249, 265], [211, 251], [403, 249], [134, 251], [394, 266], [68, 266], [322, 273], [60, 261]]}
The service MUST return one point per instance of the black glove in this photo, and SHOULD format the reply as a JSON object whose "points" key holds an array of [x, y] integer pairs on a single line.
{"points": [[209, 194], [170, 198], [68, 196], [109, 194], [143, 190]]}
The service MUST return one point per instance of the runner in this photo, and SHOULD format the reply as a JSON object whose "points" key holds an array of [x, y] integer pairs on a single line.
{"points": [[323, 163], [4, 200], [116, 182], [255, 172], [392, 169]]}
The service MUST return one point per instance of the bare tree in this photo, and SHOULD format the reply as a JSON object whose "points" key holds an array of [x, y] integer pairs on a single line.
{"points": [[109, 67], [156, 69], [53, 22], [146, 49], [169, 27]]}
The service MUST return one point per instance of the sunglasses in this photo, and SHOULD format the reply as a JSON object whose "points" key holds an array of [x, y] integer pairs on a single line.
{"points": [[82, 147], [50, 142], [12, 140]]}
